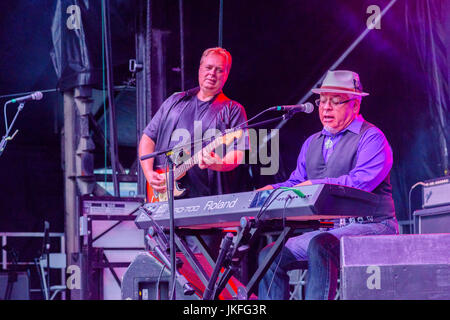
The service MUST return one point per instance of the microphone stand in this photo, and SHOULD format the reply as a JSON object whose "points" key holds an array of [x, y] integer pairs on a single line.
{"points": [[170, 193], [6, 137]]}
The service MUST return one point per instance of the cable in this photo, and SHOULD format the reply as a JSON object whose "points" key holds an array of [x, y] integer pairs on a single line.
{"points": [[220, 23], [284, 242], [254, 117], [158, 281], [247, 121], [263, 209], [284, 189], [172, 249], [4, 113], [260, 215]]}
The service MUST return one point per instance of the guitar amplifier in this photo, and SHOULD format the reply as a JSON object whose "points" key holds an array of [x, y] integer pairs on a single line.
{"points": [[436, 192]]}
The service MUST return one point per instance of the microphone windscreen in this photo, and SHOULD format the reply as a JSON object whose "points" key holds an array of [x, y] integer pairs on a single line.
{"points": [[309, 107], [37, 95]]}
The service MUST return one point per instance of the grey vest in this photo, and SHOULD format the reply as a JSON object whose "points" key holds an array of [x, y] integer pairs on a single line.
{"points": [[342, 161]]}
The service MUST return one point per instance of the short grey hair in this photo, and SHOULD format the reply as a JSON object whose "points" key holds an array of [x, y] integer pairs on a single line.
{"points": [[222, 52]]}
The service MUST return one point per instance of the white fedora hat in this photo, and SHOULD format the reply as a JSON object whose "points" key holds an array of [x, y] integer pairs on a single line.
{"points": [[341, 81]]}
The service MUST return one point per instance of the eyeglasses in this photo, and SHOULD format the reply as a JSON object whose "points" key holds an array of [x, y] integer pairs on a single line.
{"points": [[333, 101]]}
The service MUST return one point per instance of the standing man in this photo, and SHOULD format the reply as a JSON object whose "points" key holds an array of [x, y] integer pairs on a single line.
{"points": [[348, 151], [193, 111]]}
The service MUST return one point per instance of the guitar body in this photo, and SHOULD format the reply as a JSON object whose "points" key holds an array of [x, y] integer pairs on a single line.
{"points": [[155, 196]]}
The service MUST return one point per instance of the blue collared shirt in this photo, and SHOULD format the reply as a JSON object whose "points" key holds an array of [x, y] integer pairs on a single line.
{"points": [[374, 159]]}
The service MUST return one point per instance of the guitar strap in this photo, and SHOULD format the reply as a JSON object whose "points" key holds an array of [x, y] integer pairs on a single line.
{"points": [[213, 110]]}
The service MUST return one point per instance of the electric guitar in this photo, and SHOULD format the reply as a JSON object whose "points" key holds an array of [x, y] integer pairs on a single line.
{"points": [[181, 169]]}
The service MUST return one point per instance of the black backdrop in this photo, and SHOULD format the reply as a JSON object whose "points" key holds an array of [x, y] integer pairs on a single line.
{"points": [[280, 49]]}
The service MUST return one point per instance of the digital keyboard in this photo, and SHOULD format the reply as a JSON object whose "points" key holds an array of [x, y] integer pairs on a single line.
{"points": [[315, 202]]}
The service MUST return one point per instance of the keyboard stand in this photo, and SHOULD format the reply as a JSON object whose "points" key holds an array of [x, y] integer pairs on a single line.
{"points": [[190, 257], [244, 293], [249, 233]]}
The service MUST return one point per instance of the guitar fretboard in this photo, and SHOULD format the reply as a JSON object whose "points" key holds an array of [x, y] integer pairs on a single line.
{"points": [[188, 164]]}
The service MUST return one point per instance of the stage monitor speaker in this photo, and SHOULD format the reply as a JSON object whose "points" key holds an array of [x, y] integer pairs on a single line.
{"points": [[14, 285], [432, 220], [395, 267]]}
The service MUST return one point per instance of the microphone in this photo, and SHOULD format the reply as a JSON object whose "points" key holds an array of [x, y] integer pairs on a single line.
{"points": [[307, 107], [34, 96]]}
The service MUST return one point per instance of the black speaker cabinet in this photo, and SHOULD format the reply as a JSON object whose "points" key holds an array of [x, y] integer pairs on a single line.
{"points": [[14, 285], [395, 267], [148, 279]]}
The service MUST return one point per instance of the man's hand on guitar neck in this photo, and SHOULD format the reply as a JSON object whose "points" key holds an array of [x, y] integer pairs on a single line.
{"points": [[210, 160]]}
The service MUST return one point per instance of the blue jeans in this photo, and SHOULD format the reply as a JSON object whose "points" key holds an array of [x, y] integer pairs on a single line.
{"points": [[319, 251]]}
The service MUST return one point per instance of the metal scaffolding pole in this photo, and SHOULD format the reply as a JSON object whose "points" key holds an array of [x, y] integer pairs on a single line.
{"points": [[143, 40], [180, 9], [110, 86], [78, 149]]}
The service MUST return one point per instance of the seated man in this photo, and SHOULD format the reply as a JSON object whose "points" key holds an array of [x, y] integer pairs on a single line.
{"points": [[348, 151]]}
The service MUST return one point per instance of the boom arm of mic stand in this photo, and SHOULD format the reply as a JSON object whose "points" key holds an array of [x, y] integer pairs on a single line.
{"points": [[169, 152], [285, 116]]}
